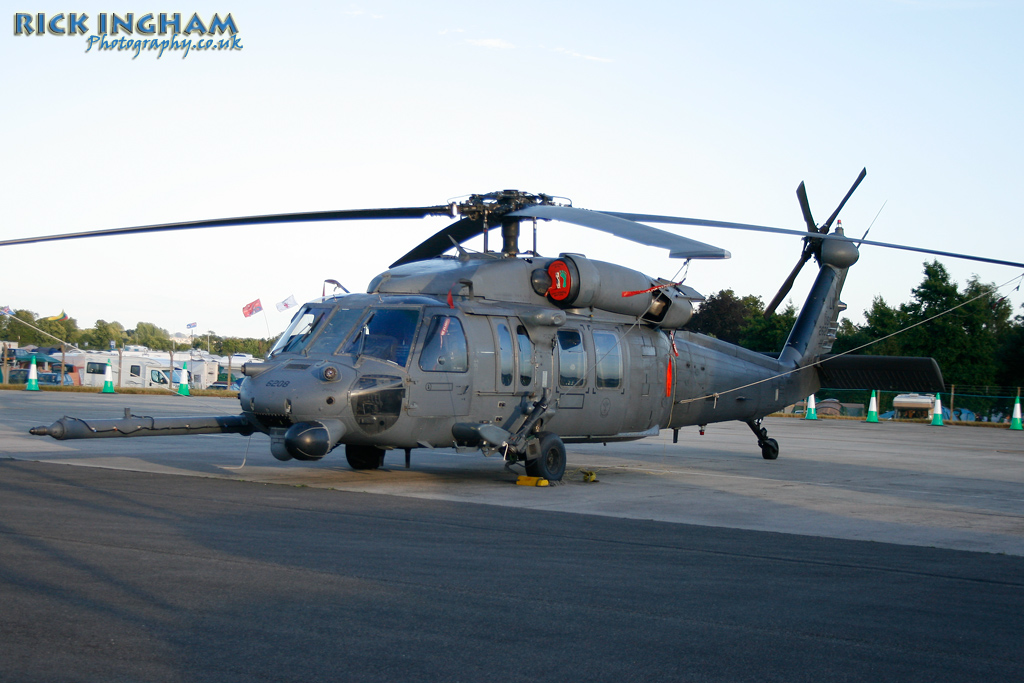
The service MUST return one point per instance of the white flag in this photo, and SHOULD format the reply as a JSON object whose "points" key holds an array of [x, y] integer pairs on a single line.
{"points": [[290, 302]]}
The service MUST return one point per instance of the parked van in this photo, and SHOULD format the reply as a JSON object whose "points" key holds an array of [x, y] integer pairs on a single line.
{"points": [[138, 372]]}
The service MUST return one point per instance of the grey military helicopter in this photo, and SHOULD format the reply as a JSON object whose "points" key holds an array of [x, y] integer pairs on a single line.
{"points": [[516, 354]]}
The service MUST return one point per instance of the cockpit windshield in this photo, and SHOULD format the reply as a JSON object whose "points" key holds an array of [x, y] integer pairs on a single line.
{"points": [[383, 333], [386, 334], [303, 326], [335, 330]]}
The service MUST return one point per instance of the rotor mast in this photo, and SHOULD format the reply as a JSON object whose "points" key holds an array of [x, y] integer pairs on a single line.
{"points": [[494, 209]]}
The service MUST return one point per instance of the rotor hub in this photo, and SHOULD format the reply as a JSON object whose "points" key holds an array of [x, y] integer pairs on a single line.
{"points": [[494, 205]]}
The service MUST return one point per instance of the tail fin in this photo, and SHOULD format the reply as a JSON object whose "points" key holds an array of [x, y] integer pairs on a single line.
{"points": [[816, 326], [815, 329]]}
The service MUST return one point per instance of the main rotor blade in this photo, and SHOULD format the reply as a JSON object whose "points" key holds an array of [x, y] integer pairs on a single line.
{"points": [[677, 220], [441, 241], [678, 246], [805, 207], [835, 214], [787, 285], [308, 216]]}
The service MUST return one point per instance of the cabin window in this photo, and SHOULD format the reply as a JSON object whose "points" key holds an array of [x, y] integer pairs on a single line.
{"points": [[387, 334], [444, 346], [506, 359], [572, 359], [609, 360], [158, 377], [136, 371], [525, 356], [95, 368]]}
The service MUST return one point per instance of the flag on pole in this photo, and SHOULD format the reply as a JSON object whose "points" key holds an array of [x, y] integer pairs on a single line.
{"points": [[6, 310], [252, 308], [59, 317], [191, 326], [290, 302]]}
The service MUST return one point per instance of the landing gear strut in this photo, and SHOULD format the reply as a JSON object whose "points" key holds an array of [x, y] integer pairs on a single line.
{"points": [[769, 447]]}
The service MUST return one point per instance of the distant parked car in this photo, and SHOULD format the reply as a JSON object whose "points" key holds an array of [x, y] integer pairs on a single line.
{"points": [[50, 379], [224, 385], [17, 376], [53, 379]]}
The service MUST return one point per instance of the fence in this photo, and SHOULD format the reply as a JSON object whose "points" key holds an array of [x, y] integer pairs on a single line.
{"points": [[967, 403]]}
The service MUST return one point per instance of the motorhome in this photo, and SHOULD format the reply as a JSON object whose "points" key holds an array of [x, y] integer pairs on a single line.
{"points": [[126, 370]]}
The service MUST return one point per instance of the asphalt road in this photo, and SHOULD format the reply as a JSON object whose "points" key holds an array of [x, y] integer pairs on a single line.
{"points": [[122, 571]]}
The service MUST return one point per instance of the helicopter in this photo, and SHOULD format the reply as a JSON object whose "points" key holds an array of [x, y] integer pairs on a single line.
{"points": [[511, 353]]}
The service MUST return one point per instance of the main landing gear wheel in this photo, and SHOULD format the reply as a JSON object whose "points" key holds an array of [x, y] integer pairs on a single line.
{"points": [[769, 447], [364, 457], [550, 464]]}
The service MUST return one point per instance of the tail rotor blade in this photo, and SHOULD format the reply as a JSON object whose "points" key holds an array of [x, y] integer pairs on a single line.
{"points": [[786, 286], [835, 214], [805, 206]]}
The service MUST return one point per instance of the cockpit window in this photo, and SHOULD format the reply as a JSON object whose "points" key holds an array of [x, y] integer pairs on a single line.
{"points": [[444, 346], [387, 334], [335, 330], [303, 326]]}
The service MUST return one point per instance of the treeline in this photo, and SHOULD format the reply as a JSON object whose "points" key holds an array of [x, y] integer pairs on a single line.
{"points": [[977, 344], [102, 332]]}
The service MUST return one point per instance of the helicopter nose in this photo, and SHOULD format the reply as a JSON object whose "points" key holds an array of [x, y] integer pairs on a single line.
{"points": [[298, 392]]}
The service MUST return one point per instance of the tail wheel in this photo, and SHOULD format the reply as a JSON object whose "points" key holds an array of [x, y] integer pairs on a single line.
{"points": [[364, 457], [550, 464]]}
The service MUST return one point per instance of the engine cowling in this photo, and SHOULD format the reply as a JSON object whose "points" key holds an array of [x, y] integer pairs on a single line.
{"points": [[574, 281]]}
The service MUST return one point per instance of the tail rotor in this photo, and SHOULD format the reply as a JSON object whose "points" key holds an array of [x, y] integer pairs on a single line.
{"points": [[812, 245]]}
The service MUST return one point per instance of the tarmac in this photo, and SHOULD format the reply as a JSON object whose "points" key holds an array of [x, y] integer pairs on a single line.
{"points": [[865, 552]]}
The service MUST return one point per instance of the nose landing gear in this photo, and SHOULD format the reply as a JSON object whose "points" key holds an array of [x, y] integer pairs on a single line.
{"points": [[769, 447]]}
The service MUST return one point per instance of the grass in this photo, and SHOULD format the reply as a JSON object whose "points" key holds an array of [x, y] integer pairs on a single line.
{"points": [[124, 390]]}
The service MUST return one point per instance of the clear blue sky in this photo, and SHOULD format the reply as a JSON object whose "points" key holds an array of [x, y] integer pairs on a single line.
{"points": [[713, 110]]}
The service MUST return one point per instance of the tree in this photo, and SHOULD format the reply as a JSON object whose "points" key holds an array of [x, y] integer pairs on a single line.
{"points": [[1010, 355], [968, 333], [23, 334], [100, 335], [724, 315], [882, 321], [850, 336], [964, 340], [148, 334], [39, 331], [768, 334]]}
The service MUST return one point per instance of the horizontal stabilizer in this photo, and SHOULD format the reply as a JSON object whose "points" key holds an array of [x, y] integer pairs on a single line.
{"points": [[885, 373]]}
